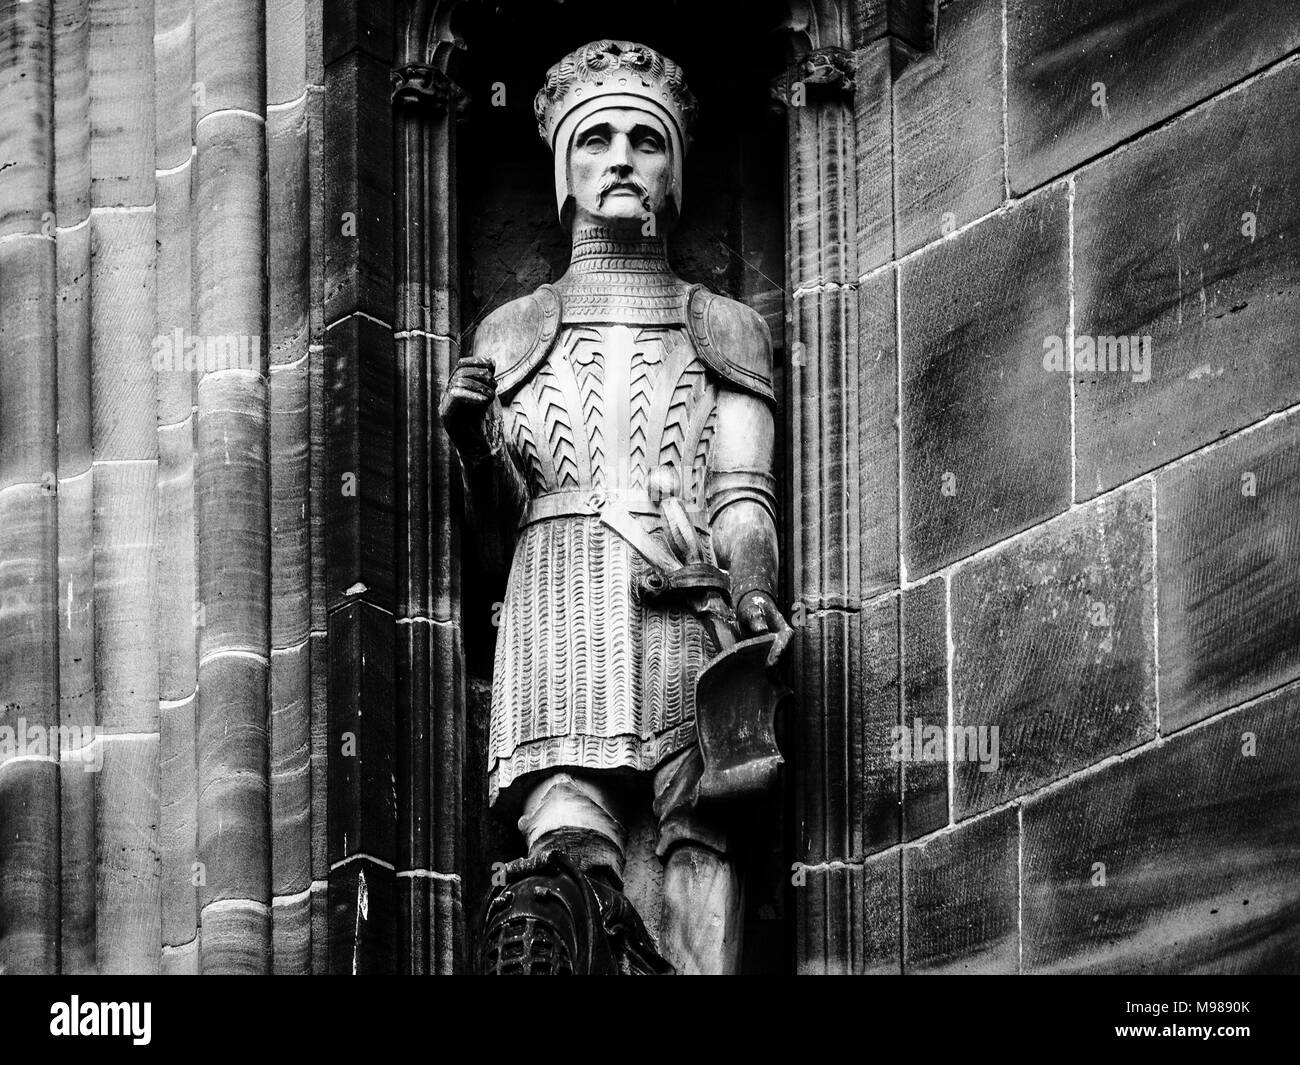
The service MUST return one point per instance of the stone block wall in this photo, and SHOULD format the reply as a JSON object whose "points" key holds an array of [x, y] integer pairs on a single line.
{"points": [[1098, 558]]}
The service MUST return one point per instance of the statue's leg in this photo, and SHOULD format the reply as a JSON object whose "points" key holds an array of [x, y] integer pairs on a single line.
{"points": [[580, 816], [703, 899], [547, 914], [562, 908]]}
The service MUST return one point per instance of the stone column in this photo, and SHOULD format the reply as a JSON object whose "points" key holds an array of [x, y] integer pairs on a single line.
{"points": [[844, 791], [232, 496], [29, 496], [429, 646]]}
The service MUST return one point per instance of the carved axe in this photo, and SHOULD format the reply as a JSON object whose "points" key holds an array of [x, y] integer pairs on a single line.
{"points": [[736, 698]]}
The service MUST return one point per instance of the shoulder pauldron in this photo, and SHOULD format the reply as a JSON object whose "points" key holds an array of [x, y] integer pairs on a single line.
{"points": [[518, 336], [732, 339]]}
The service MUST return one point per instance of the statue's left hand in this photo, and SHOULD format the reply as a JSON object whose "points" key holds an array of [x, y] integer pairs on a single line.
{"points": [[757, 614]]}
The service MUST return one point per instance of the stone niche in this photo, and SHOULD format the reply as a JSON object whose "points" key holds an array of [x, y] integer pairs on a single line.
{"points": [[731, 238]]}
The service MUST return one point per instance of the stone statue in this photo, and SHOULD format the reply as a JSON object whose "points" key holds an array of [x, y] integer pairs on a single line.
{"points": [[615, 433]]}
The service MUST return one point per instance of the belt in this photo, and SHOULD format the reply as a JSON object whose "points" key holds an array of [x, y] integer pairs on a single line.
{"points": [[593, 502], [618, 510]]}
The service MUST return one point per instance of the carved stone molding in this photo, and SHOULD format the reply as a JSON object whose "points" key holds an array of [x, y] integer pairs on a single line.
{"points": [[421, 85], [823, 73]]}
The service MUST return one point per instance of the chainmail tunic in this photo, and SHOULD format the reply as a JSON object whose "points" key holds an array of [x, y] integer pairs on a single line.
{"points": [[587, 674]]}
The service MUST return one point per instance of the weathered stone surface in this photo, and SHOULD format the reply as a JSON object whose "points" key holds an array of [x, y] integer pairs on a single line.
{"points": [[362, 799], [320, 924], [909, 21], [447, 948], [358, 223], [430, 924], [314, 33], [358, 490], [29, 861], [29, 607], [948, 127], [291, 935], [430, 678], [234, 818], [320, 752], [289, 233], [180, 961], [1197, 839], [845, 672], [174, 609], [874, 126], [291, 771], [28, 396], [121, 104], [847, 918], [417, 494], [877, 435], [78, 857], [822, 194], [961, 899], [76, 689], [124, 407], [925, 708], [129, 859], [231, 512], [178, 825], [236, 939], [75, 601], [362, 919], [230, 220], [230, 56], [367, 28], [126, 591], [1228, 538], [869, 19], [71, 111], [1154, 60], [1054, 647], [290, 505], [174, 285], [985, 429], [74, 360], [286, 50], [1188, 238], [174, 100], [826, 563], [26, 67]]}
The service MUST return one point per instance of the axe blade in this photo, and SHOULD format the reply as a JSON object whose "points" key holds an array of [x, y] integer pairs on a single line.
{"points": [[736, 699]]}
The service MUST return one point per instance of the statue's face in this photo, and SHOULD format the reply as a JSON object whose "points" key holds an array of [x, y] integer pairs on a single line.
{"points": [[619, 169]]}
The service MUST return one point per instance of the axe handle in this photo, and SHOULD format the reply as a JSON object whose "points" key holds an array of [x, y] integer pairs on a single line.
{"points": [[712, 609]]}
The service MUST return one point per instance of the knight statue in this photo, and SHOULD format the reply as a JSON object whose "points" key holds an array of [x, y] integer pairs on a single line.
{"points": [[615, 432]]}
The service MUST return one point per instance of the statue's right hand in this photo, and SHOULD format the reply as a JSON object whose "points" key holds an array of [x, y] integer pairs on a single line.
{"points": [[470, 391]]}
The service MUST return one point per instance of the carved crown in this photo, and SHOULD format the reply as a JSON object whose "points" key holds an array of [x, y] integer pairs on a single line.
{"points": [[613, 68]]}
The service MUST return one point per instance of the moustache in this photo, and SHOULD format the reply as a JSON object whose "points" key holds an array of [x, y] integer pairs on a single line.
{"points": [[612, 181]]}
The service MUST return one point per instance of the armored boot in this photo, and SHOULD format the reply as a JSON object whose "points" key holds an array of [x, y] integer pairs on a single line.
{"points": [[550, 919]]}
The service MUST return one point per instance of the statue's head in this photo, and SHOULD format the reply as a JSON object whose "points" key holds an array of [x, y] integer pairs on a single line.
{"points": [[617, 117]]}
